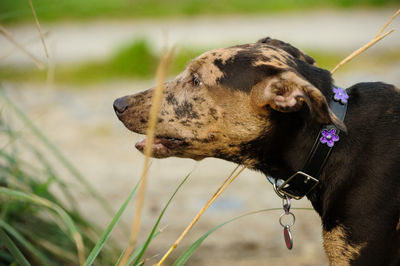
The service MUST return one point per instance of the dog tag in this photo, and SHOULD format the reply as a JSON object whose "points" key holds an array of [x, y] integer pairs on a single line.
{"points": [[287, 235]]}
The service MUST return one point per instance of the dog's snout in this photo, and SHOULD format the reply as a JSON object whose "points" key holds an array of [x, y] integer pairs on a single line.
{"points": [[121, 104]]}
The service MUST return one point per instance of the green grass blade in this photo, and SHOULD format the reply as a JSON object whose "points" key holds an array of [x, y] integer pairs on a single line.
{"points": [[120, 257], [157, 223], [5, 257], [138, 250], [42, 259], [190, 250], [13, 248], [57, 153], [99, 245], [135, 253], [65, 218], [51, 172]]}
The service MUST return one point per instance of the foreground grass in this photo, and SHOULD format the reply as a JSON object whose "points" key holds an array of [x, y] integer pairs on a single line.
{"points": [[54, 10], [36, 224], [137, 61]]}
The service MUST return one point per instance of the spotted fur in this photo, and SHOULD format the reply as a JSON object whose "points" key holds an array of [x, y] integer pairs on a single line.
{"points": [[262, 105]]}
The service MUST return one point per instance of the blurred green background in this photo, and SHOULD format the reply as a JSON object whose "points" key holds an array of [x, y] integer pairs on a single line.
{"points": [[55, 10], [137, 58]]}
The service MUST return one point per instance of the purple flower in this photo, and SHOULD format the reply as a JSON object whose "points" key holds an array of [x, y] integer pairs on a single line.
{"points": [[329, 137], [340, 95]]}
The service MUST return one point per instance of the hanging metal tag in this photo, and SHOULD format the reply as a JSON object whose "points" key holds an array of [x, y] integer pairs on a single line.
{"points": [[287, 235], [287, 219]]}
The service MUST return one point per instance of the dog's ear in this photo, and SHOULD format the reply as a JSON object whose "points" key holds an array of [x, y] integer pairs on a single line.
{"points": [[296, 53], [288, 91]]}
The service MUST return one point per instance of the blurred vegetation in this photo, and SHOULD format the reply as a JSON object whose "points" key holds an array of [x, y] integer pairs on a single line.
{"points": [[135, 60], [138, 61], [54, 10], [44, 227]]}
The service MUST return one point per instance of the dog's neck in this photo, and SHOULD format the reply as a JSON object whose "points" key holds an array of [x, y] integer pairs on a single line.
{"points": [[288, 149], [287, 152]]}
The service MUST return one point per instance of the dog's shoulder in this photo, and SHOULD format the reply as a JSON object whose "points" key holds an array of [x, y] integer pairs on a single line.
{"points": [[373, 118], [375, 99], [374, 87]]}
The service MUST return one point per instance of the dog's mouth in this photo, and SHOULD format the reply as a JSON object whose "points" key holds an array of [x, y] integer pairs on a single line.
{"points": [[162, 146]]}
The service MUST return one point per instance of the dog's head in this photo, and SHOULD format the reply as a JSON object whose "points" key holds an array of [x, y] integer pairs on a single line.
{"points": [[228, 98]]}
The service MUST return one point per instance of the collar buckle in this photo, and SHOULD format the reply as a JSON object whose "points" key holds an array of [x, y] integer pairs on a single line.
{"points": [[297, 186]]}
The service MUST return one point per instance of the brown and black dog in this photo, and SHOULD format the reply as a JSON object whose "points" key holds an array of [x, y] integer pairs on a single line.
{"points": [[262, 105]]}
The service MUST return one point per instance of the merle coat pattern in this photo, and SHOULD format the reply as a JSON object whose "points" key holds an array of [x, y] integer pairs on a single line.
{"points": [[262, 105]]}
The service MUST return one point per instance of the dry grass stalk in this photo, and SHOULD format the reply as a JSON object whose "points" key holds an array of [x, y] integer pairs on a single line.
{"points": [[7, 53], [388, 23], [39, 28], [379, 36], [80, 247], [360, 50], [9, 37], [221, 189], [51, 69], [154, 110]]}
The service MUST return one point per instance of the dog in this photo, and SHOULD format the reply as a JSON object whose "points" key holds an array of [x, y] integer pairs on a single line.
{"points": [[262, 105]]}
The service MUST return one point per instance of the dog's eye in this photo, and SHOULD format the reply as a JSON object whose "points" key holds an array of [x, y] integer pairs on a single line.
{"points": [[196, 81]]}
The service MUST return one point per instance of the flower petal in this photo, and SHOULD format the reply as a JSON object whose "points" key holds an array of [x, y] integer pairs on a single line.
{"points": [[330, 143]]}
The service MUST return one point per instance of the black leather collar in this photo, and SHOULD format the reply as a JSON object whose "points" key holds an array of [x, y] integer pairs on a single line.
{"points": [[303, 181]]}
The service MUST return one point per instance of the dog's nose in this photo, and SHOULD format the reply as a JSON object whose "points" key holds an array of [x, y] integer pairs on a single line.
{"points": [[120, 105]]}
